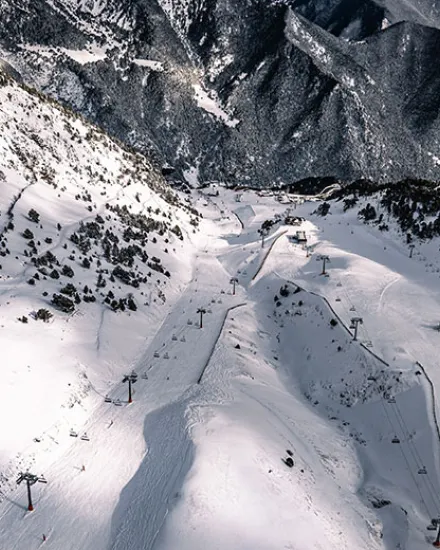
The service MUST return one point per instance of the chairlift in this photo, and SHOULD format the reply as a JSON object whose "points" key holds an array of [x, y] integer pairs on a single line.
{"points": [[395, 439], [174, 338], [422, 471], [85, 437], [107, 399], [73, 433], [156, 354]]}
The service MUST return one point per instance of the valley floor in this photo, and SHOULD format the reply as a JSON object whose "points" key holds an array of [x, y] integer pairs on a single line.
{"points": [[270, 427]]}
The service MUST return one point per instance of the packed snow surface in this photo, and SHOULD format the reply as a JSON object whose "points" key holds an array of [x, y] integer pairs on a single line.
{"points": [[267, 427]]}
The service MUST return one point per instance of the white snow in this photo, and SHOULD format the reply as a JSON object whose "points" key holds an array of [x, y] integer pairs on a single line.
{"points": [[150, 64], [92, 55], [200, 458], [84, 56], [211, 104]]}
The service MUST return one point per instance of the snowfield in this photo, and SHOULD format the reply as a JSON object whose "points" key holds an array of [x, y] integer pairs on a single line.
{"points": [[268, 427]]}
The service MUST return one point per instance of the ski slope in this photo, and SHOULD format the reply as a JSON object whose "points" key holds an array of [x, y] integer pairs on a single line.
{"points": [[198, 460]]}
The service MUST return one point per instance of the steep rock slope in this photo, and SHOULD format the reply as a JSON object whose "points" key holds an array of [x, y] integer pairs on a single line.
{"points": [[256, 92]]}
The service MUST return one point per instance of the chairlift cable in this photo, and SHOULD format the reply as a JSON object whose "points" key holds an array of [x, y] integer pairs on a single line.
{"points": [[413, 449], [422, 500]]}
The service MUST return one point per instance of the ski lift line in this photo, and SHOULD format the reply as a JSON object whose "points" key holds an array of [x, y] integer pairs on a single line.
{"points": [[422, 500], [417, 458], [405, 428], [415, 482], [363, 328]]}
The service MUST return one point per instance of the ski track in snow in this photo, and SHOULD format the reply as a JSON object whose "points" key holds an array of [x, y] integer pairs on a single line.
{"points": [[196, 461]]}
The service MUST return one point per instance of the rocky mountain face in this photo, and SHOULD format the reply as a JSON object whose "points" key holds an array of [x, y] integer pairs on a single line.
{"points": [[257, 92]]}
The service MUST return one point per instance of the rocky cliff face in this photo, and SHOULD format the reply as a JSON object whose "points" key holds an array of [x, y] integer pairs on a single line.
{"points": [[257, 91]]}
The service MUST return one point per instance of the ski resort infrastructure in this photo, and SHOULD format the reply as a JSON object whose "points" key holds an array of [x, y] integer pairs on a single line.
{"points": [[258, 419]]}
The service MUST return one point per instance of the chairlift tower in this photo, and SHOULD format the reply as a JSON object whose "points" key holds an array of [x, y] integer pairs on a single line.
{"points": [[436, 543], [30, 479], [263, 234], [355, 322], [325, 259], [131, 379], [233, 282], [202, 311]]}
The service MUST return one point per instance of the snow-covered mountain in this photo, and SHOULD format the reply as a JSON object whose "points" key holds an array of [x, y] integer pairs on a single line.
{"points": [[261, 92], [93, 248], [277, 401]]}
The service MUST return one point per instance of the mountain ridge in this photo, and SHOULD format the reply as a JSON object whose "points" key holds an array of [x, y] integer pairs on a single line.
{"points": [[263, 94]]}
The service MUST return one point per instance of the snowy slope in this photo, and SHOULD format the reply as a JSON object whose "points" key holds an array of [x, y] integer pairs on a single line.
{"points": [[269, 427], [100, 208]]}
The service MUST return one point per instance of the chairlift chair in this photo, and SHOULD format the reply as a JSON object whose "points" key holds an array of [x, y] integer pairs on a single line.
{"points": [[352, 326], [183, 339], [339, 284], [73, 433], [338, 299], [352, 308], [395, 439], [107, 399], [117, 402], [189, 322], [174, 338], [391, 400], [432, 527], [422, 471], [156, 354], [144, 376], [166, 356], [85, 437]]}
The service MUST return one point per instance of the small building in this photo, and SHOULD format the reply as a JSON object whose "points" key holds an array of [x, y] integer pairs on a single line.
{"points": [[300, 237]]}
